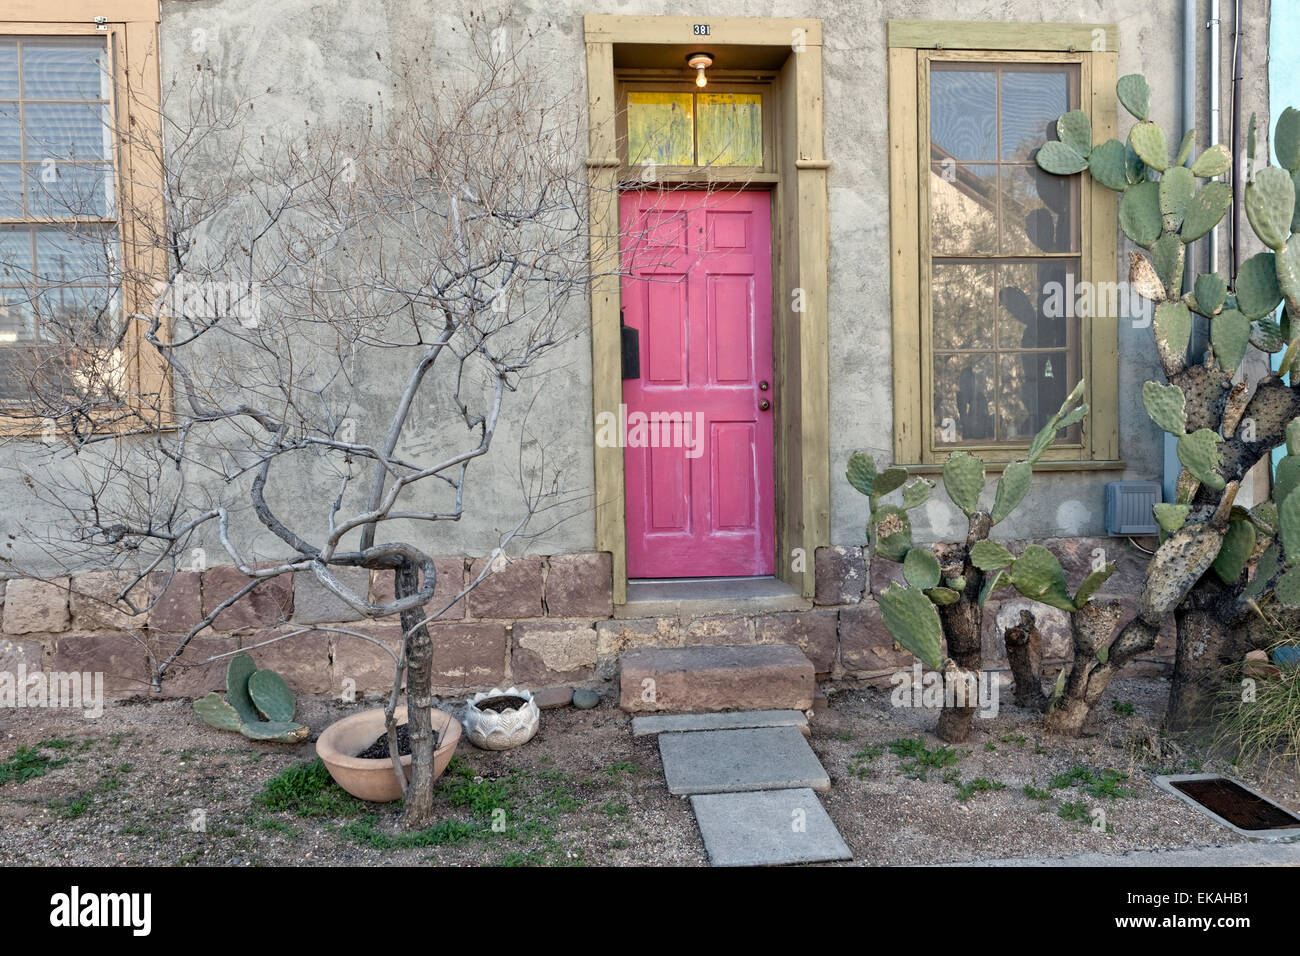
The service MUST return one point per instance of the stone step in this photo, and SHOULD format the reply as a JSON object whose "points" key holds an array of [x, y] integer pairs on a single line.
{"points": [[727, 761], [767, 828], [733, 720], [714, 678]]}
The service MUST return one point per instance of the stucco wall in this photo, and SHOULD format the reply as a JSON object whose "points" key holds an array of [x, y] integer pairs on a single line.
{"points": [[318, 62]]}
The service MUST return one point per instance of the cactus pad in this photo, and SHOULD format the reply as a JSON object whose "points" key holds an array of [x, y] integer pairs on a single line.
{"points": [[1288, 526], [217, 713], [1287, 589], [1173, 330], [1266, 335], [1167, 260], [1012, 488], [1134, 93], [1075, 130], [1178, 564], [1270, 204], [1286, 139], [1176, 188], [913, 622], [1144, 279], [1149, 143], [994, 581], [1287, 265], [861, 472], [1238, 545], [1060, 158], [1258, 293], [1199, 453], [963, 479], [921, 569], [942, 596], [891, 533], [1230, 334], [1106, 164], [1166, 405], [1092, 583], [1139, 213], [1169, 516], [989, 555], [1286, 477], [1134, 169], [1185, 147], [1038, 576], [283, 731], [917, 493], [272, 695], [1205, 210], [889, 480], [1210, 291], [1265, 568], [238, 671], [1215, 161]]}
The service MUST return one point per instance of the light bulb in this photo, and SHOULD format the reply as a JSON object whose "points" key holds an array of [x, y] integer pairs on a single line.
{"points": [[700, 79]]}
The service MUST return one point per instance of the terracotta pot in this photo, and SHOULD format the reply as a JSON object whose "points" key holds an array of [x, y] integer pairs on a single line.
{"points": [[372, 779]]}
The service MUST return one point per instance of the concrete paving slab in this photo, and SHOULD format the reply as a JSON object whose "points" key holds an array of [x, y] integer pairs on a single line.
{"points": [[767, 828], [734, 720], [729, 761]]}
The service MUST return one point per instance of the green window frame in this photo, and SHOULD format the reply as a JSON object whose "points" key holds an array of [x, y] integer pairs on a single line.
{"points": [[1087, 56]]}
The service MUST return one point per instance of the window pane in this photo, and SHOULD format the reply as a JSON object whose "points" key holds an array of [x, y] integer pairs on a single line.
{"points": [[1035, 307], [72, 315], [8, 68], [63, 69], [730, 128], [85, 256], [660, 129], [11, 191], [15, 255], [963, 398], [962, 306], [66, 191], [963, 209], [1038, 211], [963, 104], [16, 321], [63, 131], [11, 141], [1032, 386], [1031, 103]]}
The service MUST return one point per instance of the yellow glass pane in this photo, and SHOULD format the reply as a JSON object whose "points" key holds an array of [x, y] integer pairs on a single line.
{"points": [[659, 129], [730, 128]]}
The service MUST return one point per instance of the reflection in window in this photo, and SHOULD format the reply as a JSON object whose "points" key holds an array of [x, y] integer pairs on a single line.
{"points": [[667, 128], [1002, 233]]}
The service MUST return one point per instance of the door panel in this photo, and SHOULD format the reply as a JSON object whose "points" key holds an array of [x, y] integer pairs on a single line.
{"points": [[699, 450]]}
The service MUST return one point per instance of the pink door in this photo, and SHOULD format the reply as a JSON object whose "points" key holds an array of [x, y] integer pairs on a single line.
{"points": [[698, 438]]}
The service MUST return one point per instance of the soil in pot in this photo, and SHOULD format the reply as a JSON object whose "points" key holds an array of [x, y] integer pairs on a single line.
{"points": [[379, 749], [501, 704]]}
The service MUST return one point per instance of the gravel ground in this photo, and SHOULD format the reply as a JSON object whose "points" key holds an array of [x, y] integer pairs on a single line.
{"points": [[585, 792]]}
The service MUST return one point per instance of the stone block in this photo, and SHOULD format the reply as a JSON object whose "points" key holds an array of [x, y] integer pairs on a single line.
{"points": [[178, 602], [697, 679], [30, 654], [314, 603], [615, 637], [841, 575], [754, 829], [33, 606], [580, 585], [370, 668], [510, 592], [865, 644], [188, 675], [94, 603], [302, 660], [123, 659], [726, 761], [267, 605], [545, 652], [816, 633], [469, 655]]}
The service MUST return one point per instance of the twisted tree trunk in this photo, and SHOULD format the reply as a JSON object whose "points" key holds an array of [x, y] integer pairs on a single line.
{"points": [[1025, 656], [962, 623], [1089, 676], [418, 807]]}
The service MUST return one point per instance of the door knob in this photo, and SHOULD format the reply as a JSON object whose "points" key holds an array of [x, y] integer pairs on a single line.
{"points": [[764, 405], [763, 386]]}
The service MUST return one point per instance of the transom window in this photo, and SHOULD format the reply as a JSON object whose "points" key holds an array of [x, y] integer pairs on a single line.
{"points": [[722, 127], [59, 280]]}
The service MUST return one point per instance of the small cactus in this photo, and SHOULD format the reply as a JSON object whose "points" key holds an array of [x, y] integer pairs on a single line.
{"points": [[258, 704]]}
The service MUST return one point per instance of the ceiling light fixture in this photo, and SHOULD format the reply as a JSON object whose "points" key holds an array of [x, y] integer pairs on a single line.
{"points": [[700, 62]]}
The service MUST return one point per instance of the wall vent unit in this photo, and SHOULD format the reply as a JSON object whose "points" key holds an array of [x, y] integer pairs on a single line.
{"points": [[1128, 507]]}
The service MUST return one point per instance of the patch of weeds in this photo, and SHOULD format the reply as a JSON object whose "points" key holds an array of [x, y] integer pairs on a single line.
{"points": [[1195, 765], [1009, 738], [463, 788], [57, 743], [116, 740], [27, 763], [77, 806], [1074, 811], [124, 768], [952, 776], [74, 808], [988, 747], [621, 766], [1033, 793], [365, 832], [917, 759], [1122, 707], [278, 826], [618, 844], [844, 736], [531, 858], [308, 790], [1040, 750], [1104, 787], [860, 762], [613, 810], [134, 829], [979, 785]]}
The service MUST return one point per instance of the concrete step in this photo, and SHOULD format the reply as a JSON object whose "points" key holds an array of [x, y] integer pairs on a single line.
{"points": [[767, 828], [723, 677], [729, 761], [734, 720]]}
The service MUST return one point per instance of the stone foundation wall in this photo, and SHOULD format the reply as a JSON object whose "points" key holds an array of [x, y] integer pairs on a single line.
{"points": [[538, 622]]}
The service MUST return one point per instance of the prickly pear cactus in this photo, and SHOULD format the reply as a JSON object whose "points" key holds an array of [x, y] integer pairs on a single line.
{"points": [[252, 695]]}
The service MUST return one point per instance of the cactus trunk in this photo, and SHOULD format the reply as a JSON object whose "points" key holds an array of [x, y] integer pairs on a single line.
{"points": [[962, 625], [1025, 657]]}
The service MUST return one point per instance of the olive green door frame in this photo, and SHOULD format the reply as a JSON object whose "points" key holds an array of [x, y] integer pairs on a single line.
{"points": [[801, 245]]}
